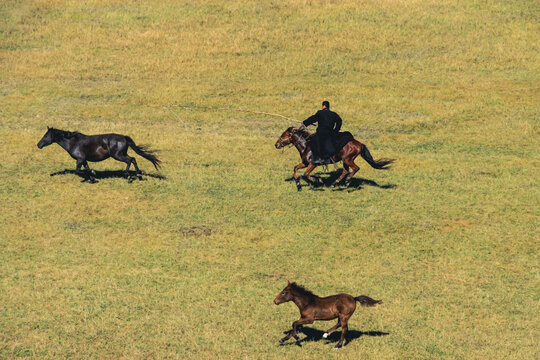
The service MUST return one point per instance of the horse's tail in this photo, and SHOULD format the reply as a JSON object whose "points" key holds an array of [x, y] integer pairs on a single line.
{"points": [[367, 301], [145, 152], [381, 164]]}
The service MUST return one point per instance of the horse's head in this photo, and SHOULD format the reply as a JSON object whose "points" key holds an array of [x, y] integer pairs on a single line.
{"points": [[285, 295], [47, 139], [285, 138]]}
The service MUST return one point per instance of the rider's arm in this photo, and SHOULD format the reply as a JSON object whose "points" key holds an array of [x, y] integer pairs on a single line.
{"points": [[311, 120], [338, 123]]}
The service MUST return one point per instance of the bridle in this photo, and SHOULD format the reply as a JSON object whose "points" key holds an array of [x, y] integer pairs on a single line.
{"points": [[282, 139]]}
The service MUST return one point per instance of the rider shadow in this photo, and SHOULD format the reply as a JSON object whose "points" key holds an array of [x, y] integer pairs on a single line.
{"points": [[109, 174], [317, 335], [323, 182]]}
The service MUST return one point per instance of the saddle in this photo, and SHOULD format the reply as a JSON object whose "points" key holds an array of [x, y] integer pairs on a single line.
{"points": [[341, 139]]}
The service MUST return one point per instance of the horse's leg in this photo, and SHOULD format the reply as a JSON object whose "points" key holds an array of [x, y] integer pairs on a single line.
{"points": [[308, 171], [343, 173], [89, 172], [137, 170], [136, 167], [132, 160], [295, 324], [125, 158], [298, 324], [296, 179], [329, 331], [344, 328], [355, 168], [288, 336], [85, 164], [124, 155], [80, 163]]}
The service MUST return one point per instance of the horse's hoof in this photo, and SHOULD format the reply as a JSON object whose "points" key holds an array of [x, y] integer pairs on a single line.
{"points": [[281, 341], [334, 184], [298, 187], [337, 347], [325, 335]]}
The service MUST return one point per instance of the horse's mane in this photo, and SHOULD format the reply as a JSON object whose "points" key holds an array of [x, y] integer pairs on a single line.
{"points": [[66, 134], [302, 132], [302, 290]]}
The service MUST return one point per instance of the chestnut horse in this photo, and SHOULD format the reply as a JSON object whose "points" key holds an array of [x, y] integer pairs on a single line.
{"points": [[95, 148], [312, 307], [300, 139]]}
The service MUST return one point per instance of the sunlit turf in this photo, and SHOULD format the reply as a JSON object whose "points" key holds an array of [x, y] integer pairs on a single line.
{"points": [[186, 263]]}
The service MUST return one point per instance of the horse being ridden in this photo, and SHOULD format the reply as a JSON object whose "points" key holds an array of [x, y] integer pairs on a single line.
{"points": [[300, 139], [84, 148], [313, 307]]}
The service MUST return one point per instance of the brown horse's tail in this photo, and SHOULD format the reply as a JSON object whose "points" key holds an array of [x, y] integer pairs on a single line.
{"points": [[145, 152], [381, 164], [367, 301]]}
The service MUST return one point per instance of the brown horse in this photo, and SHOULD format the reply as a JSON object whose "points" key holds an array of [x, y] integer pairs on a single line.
{"points": [[312, 308], [300, 139]]}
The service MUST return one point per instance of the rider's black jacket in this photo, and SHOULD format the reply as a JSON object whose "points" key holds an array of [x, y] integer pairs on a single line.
{"points": [[328, 121]]}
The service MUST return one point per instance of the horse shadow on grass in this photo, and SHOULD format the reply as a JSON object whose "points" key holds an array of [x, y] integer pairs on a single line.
{"points": [[317, 335], [110, 174], [324, 180]]}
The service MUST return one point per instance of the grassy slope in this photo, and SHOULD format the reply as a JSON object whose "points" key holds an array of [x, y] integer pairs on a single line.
{"points": [[188, 266]]}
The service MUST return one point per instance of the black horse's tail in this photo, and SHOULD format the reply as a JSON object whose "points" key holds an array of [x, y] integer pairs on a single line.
{"points": [[144, 152], [381, 164], [367, 301]]}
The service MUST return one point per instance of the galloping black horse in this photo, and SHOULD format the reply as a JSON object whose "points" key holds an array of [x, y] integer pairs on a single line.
{"points": [[95, 148]]}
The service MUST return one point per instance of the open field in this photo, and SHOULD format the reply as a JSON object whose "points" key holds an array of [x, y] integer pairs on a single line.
{"points": [[187, 266]]}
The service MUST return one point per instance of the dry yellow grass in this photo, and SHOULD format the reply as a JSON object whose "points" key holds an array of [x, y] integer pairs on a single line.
{"points": [[188, 266]]}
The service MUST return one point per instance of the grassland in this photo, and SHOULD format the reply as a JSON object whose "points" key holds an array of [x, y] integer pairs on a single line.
{"points": [[188, 266]]}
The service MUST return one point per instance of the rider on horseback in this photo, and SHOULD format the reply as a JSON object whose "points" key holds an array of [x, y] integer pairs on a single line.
{"points": [[322, 144]]}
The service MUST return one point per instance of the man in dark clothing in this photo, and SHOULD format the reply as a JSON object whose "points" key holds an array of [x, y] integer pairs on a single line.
{"points": [[329, 124]]}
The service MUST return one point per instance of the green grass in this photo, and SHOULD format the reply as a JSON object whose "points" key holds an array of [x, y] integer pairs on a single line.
{"points": [[188, 266]]}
